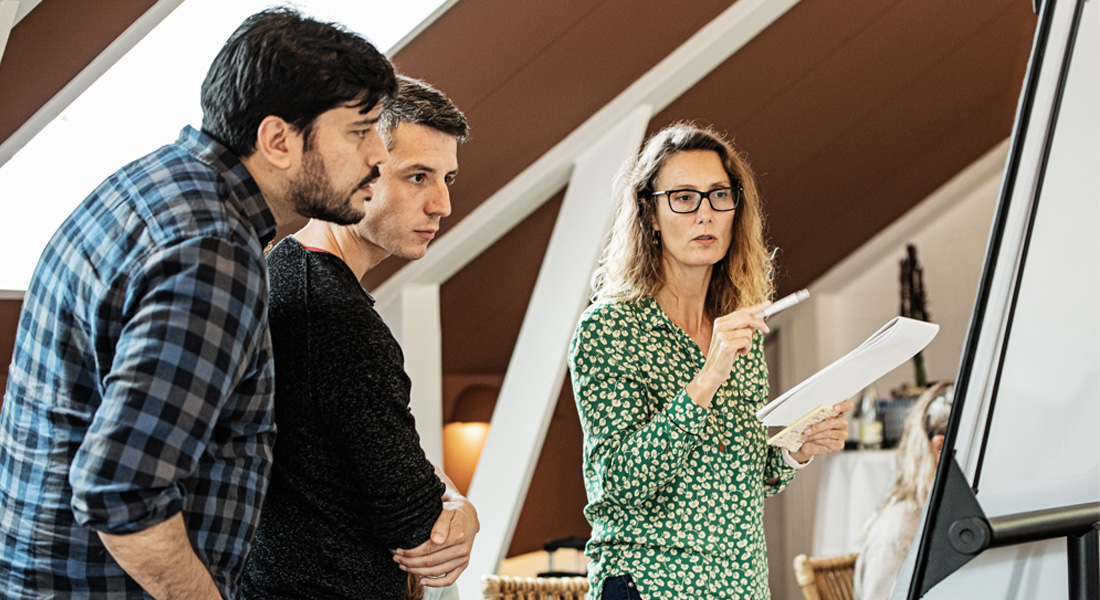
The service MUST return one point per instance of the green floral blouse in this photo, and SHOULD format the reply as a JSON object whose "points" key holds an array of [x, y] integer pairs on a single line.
{"points": [[675, 491]]}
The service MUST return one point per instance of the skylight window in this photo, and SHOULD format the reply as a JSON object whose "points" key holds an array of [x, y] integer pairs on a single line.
{"points": [[140, 104]]}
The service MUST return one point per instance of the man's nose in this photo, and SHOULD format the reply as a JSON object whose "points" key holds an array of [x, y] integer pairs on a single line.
{"points": [[440, 202], [374, 149]]}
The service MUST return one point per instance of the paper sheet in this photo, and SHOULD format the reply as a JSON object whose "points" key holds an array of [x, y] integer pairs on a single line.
{"points": [[894, 343]]}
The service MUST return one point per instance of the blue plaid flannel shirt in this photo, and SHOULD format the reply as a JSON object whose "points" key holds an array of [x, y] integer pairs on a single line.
{"points": [[142, 379]]}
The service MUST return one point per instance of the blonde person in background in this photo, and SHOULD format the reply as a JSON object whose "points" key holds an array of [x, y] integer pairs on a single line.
{"points": [[668, 369], [889, 533]]}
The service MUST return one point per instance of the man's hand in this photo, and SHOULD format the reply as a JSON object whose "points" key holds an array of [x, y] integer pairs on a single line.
{"points": [[440, 560], [163, 562]]}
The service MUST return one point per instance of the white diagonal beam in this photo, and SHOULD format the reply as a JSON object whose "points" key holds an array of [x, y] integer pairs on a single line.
{"points": [[8, 10], [666, 81], [533, 382], [423, 349], [25, 7], [77, 85]]}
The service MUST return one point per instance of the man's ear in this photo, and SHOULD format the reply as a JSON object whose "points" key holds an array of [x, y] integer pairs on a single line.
{"points": [[278, 142]]}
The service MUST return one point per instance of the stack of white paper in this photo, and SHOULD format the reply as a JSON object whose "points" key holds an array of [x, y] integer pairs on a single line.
{"points": [[893, 344]]}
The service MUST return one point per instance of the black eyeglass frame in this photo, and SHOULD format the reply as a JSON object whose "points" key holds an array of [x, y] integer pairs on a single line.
{"points": [[737, 191]]}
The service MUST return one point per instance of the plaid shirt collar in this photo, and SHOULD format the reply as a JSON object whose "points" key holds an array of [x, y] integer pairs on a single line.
{"points": [[247, 193]]}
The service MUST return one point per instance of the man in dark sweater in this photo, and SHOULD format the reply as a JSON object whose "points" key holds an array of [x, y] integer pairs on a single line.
{"points": [[354, 503]]}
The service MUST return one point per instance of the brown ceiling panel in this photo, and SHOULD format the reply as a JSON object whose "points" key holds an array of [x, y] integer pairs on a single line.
{"points": [[9, 324], [853, 81], [503, 37], [536, 103], [755, 80], [814, 249], [51, 45], [880, 97]]}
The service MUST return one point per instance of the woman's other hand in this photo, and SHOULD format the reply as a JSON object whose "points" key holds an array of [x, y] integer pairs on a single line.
{"points": [[826, 436]]}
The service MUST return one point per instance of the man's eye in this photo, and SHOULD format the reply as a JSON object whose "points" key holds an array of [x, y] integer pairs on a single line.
{"points": [[418, 178]]}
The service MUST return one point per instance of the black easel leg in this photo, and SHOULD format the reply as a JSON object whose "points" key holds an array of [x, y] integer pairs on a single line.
{"points": [[1084, 565]]}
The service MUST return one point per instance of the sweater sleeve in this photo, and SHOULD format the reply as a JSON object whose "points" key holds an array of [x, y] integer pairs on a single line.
{"points": [[634, 443], [360, 382]]}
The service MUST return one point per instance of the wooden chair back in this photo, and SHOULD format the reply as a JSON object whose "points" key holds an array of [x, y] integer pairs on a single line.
{"points": [[828, 578], [501, 587]]}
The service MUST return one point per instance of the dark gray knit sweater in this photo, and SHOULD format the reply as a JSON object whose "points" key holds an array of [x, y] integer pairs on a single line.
{"points": [[350, 480]]}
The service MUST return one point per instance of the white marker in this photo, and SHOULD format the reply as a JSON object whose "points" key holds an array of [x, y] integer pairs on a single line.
{"points": [[784, 303]]}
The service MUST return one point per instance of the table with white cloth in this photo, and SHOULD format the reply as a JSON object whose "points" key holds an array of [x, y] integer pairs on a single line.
{"points": [[853, 485]]}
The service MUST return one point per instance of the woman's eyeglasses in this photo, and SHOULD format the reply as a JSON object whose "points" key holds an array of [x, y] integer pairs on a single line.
{"points": [[688, 201]]}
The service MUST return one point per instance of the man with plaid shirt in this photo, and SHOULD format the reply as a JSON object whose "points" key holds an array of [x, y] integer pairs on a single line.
{"points": [[137, 428]]}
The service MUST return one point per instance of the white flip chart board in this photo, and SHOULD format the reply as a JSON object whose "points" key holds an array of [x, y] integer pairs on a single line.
{"points": [[1026, 427]]}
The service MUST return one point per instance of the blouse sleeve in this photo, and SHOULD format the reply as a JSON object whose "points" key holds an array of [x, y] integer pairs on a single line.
{"points": [[777, 471], [633, 443]]}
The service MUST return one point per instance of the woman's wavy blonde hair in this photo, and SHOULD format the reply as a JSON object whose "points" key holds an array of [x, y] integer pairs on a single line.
{"points": [[631, 266]]}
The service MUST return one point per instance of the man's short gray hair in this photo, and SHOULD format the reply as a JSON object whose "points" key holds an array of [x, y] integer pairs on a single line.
{"points": [[419, 103]]}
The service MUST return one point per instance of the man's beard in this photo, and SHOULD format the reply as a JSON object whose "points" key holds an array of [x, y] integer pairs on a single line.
{"points": [[312, 194]]}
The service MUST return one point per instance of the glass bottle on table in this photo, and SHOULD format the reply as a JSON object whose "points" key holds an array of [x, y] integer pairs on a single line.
{"points": [[852, 442], [870, 426]]}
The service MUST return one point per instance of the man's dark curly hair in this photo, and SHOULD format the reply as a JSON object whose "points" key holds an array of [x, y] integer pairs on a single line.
{"points": [[281, 63]]}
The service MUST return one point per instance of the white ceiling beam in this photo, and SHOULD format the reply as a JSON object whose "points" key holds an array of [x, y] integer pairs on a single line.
{"points": [[420, 27], [25, 7], [9, 10]]}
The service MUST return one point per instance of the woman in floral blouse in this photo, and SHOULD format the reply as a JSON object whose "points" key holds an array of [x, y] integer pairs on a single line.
{"points": [[668, 371]]}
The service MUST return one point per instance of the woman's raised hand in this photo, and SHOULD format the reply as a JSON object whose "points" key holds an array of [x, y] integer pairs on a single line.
{"points": [[730, 339]]}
